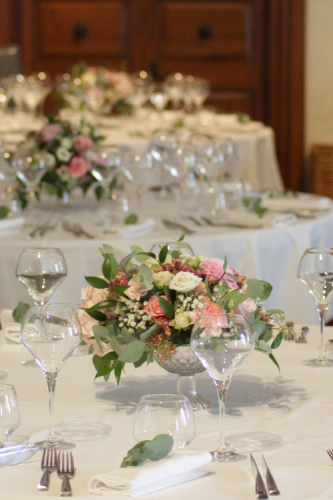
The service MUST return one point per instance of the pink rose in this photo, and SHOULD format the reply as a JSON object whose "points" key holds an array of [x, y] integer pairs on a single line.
{"points": [[81, 143], [153, 308], [213, 267], [49, 132], [133, 292], [214, 318], [78, 167], [246, 307]]}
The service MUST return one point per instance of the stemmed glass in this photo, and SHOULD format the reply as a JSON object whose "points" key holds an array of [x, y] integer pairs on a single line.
{"points": [[159, 96], [165, 414], [138, 165], [315, 270], [9, 412], [173, 246], [41, 270], [222, 341], [51, 334]]}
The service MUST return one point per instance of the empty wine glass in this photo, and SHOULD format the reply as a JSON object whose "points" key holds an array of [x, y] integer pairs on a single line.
{"points": [[51, 334], [174, 248], [139, 166], [9, 412], [222, 341], [41, 270], [315, 270], [174, 85], [165, 414], [159, 96]]}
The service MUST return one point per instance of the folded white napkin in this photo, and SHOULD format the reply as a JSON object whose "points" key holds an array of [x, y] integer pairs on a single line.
{"points": [[130, 230], [6, 319], [9, 224], [302, 202], [132, 482], [252, 219]]}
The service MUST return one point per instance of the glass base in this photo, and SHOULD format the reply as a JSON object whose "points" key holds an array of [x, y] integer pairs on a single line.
{"points": [[227, 456], [318, 362], [249, 442], [186, 386], [59, 445]]}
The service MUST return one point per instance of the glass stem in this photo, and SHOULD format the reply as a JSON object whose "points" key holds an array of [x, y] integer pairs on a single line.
{"points": [[222, 388], [51, 379], [322, 316]]}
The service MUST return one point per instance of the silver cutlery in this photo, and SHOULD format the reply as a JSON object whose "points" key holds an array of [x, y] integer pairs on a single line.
{"points": [[261, 491], [76, 229], [177, 225], [48, 465], [271, 484], [290, 326], [330, 454], [66, 471]]}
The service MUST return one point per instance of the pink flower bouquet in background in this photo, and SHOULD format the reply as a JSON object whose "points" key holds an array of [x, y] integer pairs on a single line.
{"points": [[151, 304], [71, 154]]}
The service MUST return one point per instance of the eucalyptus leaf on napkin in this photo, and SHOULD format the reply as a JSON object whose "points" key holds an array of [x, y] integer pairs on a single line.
{"points": [[153, 450]]}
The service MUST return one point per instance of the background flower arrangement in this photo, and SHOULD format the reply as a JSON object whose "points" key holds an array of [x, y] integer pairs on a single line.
{"points": [[98, 89], [135, 310], [69, 157]]}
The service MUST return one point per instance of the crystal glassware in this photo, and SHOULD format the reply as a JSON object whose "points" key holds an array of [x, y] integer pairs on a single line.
{"points": [[158, 96], [315, 270], [9, 412], [174, 248], [51, 334], [138, 165], [165, 414], [41, 270], [222, 341]]}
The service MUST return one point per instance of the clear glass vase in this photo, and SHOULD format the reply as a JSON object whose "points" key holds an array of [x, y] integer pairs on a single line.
{"points": [[185, 363]]}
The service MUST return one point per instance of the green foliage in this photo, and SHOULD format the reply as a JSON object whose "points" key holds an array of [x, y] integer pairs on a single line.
{"points": [[166, 307], [96, 282], [163, 254], [4, 211], [20, 311], [98, 315], [132, 352], [157, 448], [131, 219], [254, 206]]}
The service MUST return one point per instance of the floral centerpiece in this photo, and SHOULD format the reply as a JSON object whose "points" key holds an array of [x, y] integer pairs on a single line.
{"points": [[134, 311], [102, 88], [70, 155]]}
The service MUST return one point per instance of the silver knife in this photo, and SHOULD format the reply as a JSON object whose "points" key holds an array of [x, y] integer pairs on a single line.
{"points": [[261, 491], [271, 484]]}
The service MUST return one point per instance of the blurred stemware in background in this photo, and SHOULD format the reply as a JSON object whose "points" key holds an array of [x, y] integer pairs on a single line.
{"points": [[222, 341], [174, 85], [158, 96], [9, 412], [138, 167], [41, 271], [51, 334], [315, 270], [174, 247], [165, 414], [141, 82]]}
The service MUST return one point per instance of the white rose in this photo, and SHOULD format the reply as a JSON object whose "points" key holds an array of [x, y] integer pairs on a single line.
{"points": [[50, 160], [66, 143], [63, 154], [184, 282], [152, 264], [162, 279], [181, 322]]}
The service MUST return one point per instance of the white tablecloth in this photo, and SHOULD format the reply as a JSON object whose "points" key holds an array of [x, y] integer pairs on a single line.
{"points": [[295, 405], [270, 254]]}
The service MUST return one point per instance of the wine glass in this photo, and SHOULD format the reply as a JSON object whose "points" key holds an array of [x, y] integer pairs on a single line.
{"points": [[9, 412], [316, 271], [139, 165], [174, 248], [165, 414], [222, 341], [41, 270], [159, 96], [51, 334]]}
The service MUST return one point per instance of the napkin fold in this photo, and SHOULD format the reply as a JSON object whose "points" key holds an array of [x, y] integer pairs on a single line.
{"points": [[130, 230], [133, 482], [9, 224], [302, 202], [252, 219]]}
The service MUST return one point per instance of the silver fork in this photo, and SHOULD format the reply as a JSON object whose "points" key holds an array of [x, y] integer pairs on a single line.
{"points": [[48, 465], [330, 454], [66, 471]]}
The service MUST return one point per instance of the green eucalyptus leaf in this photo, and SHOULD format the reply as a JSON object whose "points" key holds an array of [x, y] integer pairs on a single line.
{"points": [[126, 337], [104, 371], [142, 360], [159, 447], [108, 249], [126, 260], [96, 282], [267, 291], [277, 341], [132, 352], [148, 333], [166, 307], [274, 361], [98, 315], [264, 347], [20, 311], [114, 267], [115, 344], [254, 288], [91, 349], [106, 267], [139, 253], [163, 254]]}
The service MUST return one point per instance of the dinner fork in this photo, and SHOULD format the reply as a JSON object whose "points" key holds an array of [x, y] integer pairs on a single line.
{"points": [[66, 471], [48, 465], [330, 454]]}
